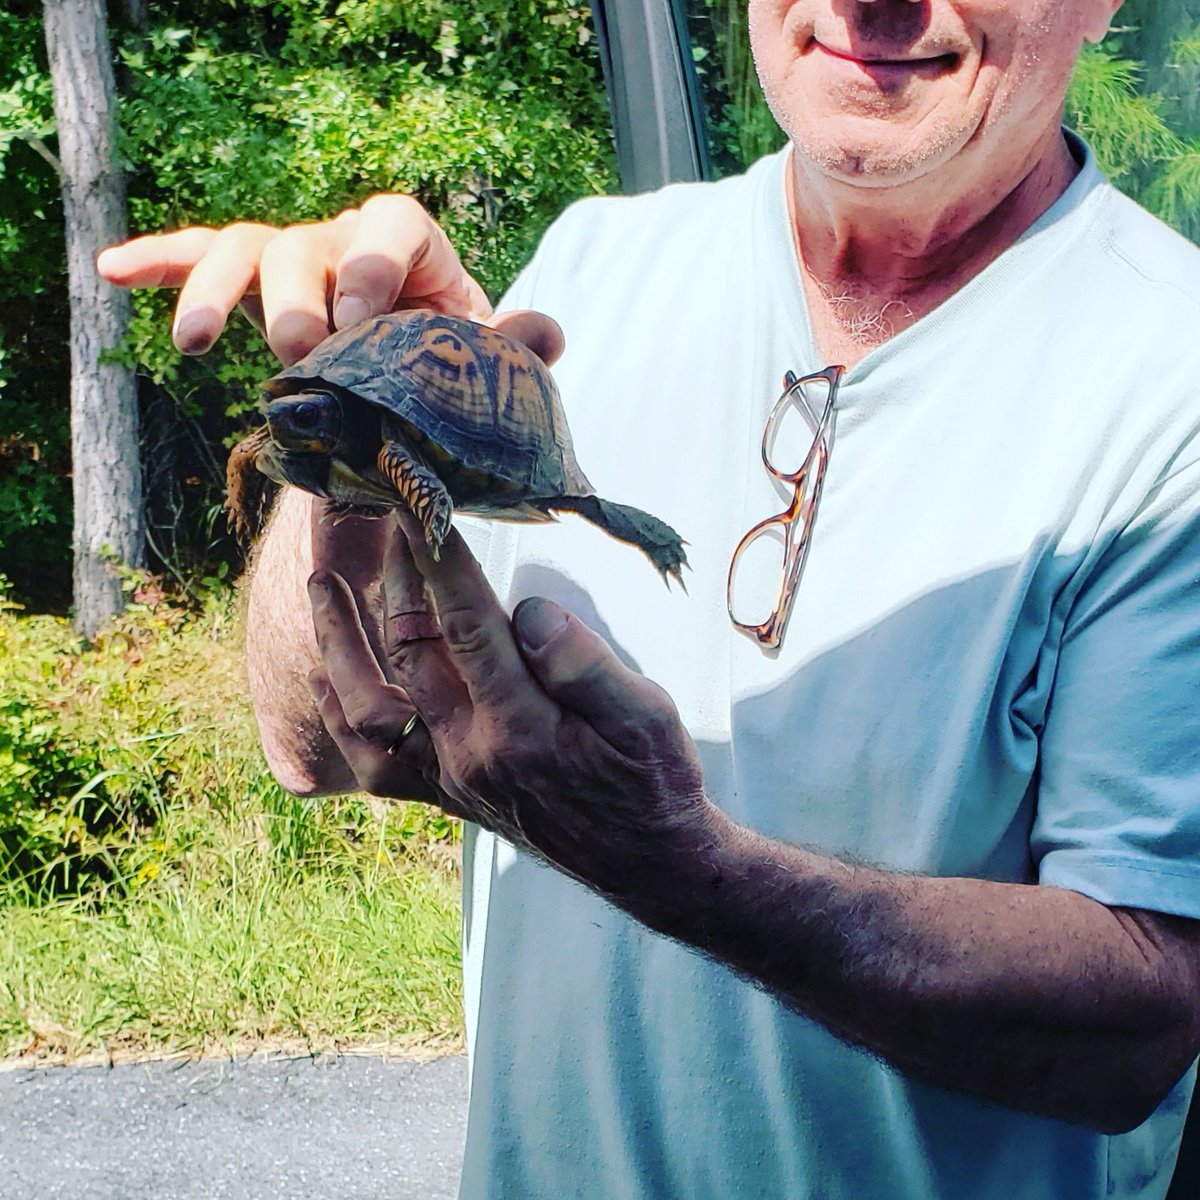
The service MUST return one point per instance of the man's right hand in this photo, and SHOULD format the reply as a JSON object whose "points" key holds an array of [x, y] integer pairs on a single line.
{"points": [[299, 283]]}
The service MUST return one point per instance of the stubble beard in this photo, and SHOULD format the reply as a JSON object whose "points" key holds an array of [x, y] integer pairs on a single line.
{"points": [[870, 159]]}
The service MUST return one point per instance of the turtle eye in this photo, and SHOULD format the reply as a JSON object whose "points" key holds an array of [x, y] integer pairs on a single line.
{"points": [[306, 416], [310, 422]]}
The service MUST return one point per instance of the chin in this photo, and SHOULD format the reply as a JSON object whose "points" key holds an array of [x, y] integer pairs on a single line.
{"points": [[871, 153]]}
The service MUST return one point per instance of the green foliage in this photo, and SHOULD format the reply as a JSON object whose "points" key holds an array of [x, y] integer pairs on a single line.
{"points": [[281, 110], [32, 452], [34, 381], [116, 756], [1142, 139], [209, 963], [742, 128], [155, 880]]}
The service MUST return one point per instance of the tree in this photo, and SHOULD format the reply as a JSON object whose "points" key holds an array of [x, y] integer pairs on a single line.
{"points": [[106, 473]]}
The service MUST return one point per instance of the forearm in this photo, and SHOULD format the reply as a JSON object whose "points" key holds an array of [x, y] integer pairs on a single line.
{"points": [[281, 649], [1033, 997]]}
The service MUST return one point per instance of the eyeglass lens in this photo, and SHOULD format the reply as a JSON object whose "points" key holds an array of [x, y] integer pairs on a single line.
{"points": [[754, 582], [795, 428]]}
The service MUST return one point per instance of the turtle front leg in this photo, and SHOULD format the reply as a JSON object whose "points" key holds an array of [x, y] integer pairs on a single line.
{"points": [[420, 489], [248, 492]]}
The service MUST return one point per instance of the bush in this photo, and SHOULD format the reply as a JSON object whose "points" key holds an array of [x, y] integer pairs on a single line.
{"points": [[135, 758]]}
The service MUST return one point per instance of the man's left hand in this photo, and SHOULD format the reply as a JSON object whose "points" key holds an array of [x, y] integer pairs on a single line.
{"points": [[529, 726]]}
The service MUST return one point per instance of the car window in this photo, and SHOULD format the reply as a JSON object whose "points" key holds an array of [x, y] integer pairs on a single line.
{"points": [[740, 126]]}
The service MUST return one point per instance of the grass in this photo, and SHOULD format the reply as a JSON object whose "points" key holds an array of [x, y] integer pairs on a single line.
{"points": [[317, 962], [161, 895]]}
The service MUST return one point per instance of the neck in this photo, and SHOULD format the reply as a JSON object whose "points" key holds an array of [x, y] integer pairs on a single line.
{"points": [[876, 260]]}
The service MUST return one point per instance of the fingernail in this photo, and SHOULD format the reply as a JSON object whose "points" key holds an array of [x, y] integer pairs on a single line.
{"points": [[350, 310], [193, 331], [537, 621], [318, 588]]}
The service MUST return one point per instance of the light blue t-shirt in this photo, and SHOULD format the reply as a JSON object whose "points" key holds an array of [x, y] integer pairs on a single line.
{"points": [[992, 670]]}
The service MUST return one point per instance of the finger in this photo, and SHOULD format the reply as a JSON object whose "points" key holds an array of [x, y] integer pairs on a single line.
{"points": [[156, 260], [296, 283], [477, 637], [543, 335], [399, 772], [398, 257], [377, 711], [227, 271], [351, 545], [413, 642], [578, 669]]}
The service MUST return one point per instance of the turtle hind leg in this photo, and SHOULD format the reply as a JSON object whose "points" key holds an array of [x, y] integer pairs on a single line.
{"points": [[655, 538], [249, 494], [423, 493]]}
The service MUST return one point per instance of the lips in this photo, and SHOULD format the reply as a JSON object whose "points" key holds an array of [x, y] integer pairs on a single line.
{"points": [[875, 61]]}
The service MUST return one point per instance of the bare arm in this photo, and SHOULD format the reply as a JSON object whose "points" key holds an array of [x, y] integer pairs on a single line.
{"points": [[281, 647], [1034, 997]]}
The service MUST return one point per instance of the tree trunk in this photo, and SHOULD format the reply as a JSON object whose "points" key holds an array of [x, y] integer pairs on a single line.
{"points": [[104, 428]]}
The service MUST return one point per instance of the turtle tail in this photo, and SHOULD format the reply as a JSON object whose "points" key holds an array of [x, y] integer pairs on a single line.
{"points": [[249, 494], [655, 538]]}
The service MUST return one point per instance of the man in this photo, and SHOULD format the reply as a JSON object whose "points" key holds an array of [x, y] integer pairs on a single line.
{"points": [[905, 907]]}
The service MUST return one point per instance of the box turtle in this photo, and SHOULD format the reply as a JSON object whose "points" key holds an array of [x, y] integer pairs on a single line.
{"points": [[433, 413]]}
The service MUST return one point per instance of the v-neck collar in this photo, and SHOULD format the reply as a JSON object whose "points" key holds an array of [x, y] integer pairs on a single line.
{"points": [[1076, 204]]}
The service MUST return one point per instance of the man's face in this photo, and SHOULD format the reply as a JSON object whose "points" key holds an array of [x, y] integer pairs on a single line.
{"points": [[883, 91]]}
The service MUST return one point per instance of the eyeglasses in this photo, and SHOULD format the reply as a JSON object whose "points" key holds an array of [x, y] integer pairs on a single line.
{"points": [[780, 543]]}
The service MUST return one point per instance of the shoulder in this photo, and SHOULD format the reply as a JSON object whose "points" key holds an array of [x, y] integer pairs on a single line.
{"points": [[671, 239], [1153, 254], [1136, 259], [673, 207]]}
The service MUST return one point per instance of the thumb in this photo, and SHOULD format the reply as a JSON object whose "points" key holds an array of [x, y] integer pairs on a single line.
{"points": [[578, 669], [542, 334]]}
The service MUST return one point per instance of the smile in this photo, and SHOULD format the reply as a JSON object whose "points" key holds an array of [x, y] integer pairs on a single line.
{"points": [[891, 68]]}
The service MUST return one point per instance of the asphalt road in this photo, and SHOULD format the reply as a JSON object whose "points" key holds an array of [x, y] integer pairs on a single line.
{"points": [[334, 1128]]}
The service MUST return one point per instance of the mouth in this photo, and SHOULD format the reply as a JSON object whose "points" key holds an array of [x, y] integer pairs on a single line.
{"points": [[890, 69]]}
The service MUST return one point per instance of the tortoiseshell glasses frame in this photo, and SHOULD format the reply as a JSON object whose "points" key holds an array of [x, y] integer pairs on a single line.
{"points": [[796, 522]]}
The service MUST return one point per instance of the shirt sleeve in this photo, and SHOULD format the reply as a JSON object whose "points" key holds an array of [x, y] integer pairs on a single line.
{"points": [[1118, 812]]}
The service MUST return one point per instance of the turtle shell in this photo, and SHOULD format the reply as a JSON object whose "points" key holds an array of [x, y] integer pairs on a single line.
{"points": [[480, 399]]}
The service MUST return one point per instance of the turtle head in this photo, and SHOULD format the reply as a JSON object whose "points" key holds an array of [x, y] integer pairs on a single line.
{"points": [[306, 422]]}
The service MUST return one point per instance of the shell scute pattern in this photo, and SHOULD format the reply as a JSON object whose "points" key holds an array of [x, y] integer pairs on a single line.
{"points": [[484, 400]]}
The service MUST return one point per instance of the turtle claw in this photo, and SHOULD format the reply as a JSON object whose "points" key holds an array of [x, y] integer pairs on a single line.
{"points": [[421, 491], [654, 538]]}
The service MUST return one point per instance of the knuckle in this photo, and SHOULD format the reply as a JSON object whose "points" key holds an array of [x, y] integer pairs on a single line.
{"points": [[463, 633], [290, 240], [376, 275], [660, 720], [242, 233], [373, 726], [405, 657]]}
